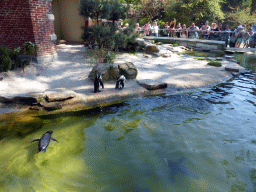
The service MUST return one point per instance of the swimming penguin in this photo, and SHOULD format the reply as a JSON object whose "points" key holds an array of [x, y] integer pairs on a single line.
{"points": [[44, 141]]}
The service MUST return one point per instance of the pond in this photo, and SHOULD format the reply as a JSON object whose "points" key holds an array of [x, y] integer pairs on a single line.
{"points": [[198, 141]]}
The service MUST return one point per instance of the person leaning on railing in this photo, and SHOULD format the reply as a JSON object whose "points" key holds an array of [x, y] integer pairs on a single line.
{"points": [[227, 34], [154, 29], [178, 30], [193, 31], [146, 29], [166, 30], [205, 30], [239, 34], [219, 35], [184, 31], [172, 27]]}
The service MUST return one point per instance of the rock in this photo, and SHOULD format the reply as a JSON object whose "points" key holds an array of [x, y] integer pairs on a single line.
{"points": [[51, 106], [1, 78], [107, 71], [159, 43], [231, 69], [235, 61], [128, 70], [219, 59], [152, 48], [229, 57], [152, 85], [35, 108], [59, 96], [141, 42], [240, 52], [5, 100], [167, 55], [229, 52], [235, 74]]}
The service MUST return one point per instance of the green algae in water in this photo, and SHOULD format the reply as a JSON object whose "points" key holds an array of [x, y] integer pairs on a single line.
{"points": [[247, 61], [59, 169]]}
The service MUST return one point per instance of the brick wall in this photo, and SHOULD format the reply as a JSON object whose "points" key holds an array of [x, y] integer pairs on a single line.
{"points": [[26, 20]]}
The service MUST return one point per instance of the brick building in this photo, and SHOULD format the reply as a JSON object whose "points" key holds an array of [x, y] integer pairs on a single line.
{"points": [[29, 20]]}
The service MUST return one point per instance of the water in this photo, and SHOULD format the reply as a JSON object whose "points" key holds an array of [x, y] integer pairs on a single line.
{"points": [[202, 141]]}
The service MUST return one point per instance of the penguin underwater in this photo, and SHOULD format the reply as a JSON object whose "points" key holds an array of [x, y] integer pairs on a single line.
{"points": [[44, 141]]}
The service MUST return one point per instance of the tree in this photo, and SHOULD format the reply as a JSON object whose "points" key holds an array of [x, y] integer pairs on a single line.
{"points": [[116, 10], [94, 9]]}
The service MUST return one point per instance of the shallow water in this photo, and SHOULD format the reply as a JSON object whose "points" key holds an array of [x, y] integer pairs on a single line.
{"points": [[202, 141]]}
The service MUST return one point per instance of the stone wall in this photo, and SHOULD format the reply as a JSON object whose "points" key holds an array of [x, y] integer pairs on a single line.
{"points": [[28, 20], [209, 45]]}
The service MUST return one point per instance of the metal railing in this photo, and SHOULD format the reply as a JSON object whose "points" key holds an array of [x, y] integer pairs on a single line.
{"points": [[227, 36]]}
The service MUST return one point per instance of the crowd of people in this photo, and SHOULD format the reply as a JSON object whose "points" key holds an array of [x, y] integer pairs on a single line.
{"points": [[241, 35]]}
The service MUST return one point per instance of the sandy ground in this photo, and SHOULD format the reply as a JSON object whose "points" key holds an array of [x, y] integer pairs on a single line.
{"points": [[71, 70]]}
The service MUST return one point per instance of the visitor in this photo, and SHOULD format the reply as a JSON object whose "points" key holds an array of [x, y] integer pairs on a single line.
{"points": [[218, 35], [227, 35], [193, 31], [184, 31], [126, 26], [172, 27], [205, 30], [154, 29], [233, 38], [137, 27], [239, 34], [146, 29], [178, 30], [250, 40], [211, 34], [166, 30], [254, 28]]}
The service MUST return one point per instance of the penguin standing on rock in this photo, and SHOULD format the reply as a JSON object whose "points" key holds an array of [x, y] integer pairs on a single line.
{"points": [[120, 82], [97, 83]]}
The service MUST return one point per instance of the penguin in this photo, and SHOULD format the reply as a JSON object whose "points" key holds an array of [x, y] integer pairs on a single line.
{"points": [[44, 141], [97, 83], [120, 82]]}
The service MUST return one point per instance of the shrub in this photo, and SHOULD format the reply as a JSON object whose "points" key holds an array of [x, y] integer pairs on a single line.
{"points": [[9, 59], [101, 55], [214, 63]]}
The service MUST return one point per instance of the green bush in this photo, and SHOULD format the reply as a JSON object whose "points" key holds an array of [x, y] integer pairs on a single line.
{"points": [[101, 55], [110, 37], [9, 59]]}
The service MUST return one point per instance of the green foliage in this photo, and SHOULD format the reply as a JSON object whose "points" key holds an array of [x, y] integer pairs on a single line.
{"points": [[215, 63], [101, 55], [30, 48], [94, 9], [116, 10], [202, 58], [99, 35], [9, 59]]}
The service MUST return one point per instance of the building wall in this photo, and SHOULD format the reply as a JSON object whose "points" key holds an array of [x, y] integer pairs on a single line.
{"points": [[26, 20], [15, 23], [69, 20]]}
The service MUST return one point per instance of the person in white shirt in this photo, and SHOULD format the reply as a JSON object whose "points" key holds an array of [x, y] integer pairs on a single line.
{"points": [[154, 29]]}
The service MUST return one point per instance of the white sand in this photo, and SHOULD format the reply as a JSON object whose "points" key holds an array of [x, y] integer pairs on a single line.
{"points": [[71, 70]]}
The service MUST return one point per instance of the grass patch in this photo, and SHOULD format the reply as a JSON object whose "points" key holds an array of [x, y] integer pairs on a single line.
{"points": [[215, 63], [202, 58], [204, 54]]}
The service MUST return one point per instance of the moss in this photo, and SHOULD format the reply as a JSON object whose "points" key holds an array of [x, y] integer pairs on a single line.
{"points": [[204, 54], [215, 63], [202, 58]]}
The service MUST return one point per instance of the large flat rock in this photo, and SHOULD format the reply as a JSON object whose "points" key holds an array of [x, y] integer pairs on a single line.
{"points": [[52, 96], [152, 85]]}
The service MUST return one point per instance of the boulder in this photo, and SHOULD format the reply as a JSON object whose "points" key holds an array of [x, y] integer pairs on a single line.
{"points": [[128, 70], [231, 69], [59, 96], [141, 42], [152, 48], [51, 106], [107, 71]]}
